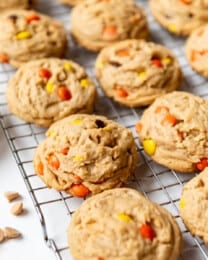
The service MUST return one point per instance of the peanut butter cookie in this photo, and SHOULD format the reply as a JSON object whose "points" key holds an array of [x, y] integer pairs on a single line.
{"points": [[28, 35], [194, 205], [135, 72], [180, 16], [95, 24], [197, 50], [85, 154], [121, 224], [173, 131], [16, 4], [46, 90]]}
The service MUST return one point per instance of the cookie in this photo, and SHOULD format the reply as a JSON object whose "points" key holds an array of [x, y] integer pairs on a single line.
{"points": [[122, 224], [20, 4], [85, 154], [173, 131], [194, 205], [71, 2], [28, 35], [135, 72], [94, 23], [197, 51], [46, 90], [180, 17]]}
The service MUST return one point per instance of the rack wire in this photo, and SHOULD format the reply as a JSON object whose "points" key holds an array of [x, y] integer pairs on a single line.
{"points": [[156, 182]]}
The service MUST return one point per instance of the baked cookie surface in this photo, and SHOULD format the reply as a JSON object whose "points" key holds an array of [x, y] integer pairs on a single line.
{"points": [[28, 35], [85, 154], [122, 224], [194, 205], [94, 23], [173, 131], [71, 2], [135, 72], [197, 51], [180, 17], [20, 4], [46, 90]]}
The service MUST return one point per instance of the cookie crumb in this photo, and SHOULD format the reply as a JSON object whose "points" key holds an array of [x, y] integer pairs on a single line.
{"points": [[17, 208], [1, 235], [11, 233], [11, 195]]}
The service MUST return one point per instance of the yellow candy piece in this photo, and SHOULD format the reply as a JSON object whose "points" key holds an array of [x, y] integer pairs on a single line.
{"points": [[142, 74], [78, 158], [49, 87], [50, 133], [181, 204], [23, 35], [99, 65], [76, 121], [123, 217], [149, 146], [107, 128], [172, 28], [68, 66], [84, 83], [166, 61]]}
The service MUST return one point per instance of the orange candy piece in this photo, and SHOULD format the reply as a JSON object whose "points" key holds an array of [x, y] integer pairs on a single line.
{"points": [[138, 127], [194, 54], [202, 164], [110, 32], [65, 151], [53, 161], [161, 108], [79, 190], [122, 53], [186, 2], [157, 62], [3, 58], [147, 231], [121, 92], [64, 93], [170, 119], [40, 168], [32, 17], [44, 73]]}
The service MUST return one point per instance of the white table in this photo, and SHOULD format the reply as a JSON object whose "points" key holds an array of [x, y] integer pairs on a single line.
{"points": [[31, 245]]}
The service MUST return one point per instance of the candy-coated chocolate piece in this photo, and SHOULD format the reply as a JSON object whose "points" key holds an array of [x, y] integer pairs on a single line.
{"points": [[49, 87], [23, 35], [44, 73], [149, 146], [64, 93], [32, 17], [181, 204], [76, 121], [40, 168], [147, 232], [123, 217], [121, 92], [84, 83], [79, 190], [202, 164], [53, 161], [78, 158]]}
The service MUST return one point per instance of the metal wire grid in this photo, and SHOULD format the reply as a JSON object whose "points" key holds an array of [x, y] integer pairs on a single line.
{"points": [[156, 182]]}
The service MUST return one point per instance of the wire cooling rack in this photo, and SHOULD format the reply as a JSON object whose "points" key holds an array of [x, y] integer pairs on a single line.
{"points": [[157, 183]]}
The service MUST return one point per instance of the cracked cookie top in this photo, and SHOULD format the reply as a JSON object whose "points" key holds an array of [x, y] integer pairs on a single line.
{"points": [[86, 154], [46, 90], [28, 35], [135, 72]]}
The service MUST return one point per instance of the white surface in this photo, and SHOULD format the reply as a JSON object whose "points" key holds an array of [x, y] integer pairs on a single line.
{"points": [[31, 245]]}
